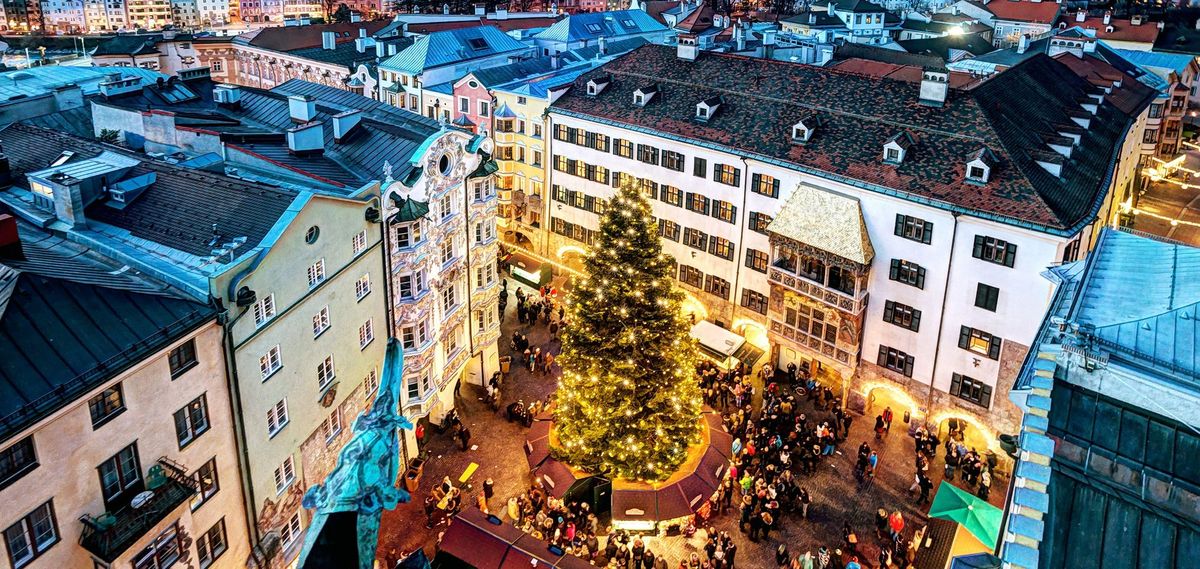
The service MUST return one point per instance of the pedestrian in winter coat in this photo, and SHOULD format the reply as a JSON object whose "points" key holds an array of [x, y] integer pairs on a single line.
{"points": [[781, 556]]}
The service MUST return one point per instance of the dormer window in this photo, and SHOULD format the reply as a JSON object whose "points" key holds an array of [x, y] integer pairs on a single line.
{"points": [[803, 130], [642, 96], [979, 166], [707, 108], [896, 147], [596, 85]]}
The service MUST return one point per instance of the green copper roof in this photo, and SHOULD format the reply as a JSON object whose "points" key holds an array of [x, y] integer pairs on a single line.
{"points": [[410, 209]]}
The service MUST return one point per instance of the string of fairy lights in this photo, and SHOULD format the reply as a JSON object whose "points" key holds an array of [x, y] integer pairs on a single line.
{"points": [[1162, 173]]}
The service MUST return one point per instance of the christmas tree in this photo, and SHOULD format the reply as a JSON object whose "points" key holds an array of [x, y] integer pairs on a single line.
{"points": [[628, 401]]}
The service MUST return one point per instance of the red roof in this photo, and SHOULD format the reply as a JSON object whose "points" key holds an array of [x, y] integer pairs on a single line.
{"points": [[656, 7], [908, 73], [697, 21], [288, 38], [1032, 12], [1123, 30]]}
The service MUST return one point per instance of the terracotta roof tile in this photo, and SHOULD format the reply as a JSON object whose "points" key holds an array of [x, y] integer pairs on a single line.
{"points": [[1033, 12]]}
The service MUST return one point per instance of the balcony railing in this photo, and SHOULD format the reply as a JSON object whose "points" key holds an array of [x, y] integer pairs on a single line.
{"points": [[817, 291], [108, 536]]}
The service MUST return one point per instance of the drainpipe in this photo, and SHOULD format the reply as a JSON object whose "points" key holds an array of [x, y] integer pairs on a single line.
{"points": [[937, 347], [388, 307], [737, 274], [239, 424]]}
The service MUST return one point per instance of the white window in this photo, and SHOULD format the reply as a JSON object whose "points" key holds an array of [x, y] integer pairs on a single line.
{"points": [[362, 287], [366, 334], [290, 531], [360, 241], [412, 337], [464, 105], [31, 536], [452, 340], [332, 426], [448, 300], [277, 417], [371, 384], [270, 362], [447, 251], [484, 107], [405, 285], [325, 372], [264, 310], [447, 206], [408, 235], [320, 322], [316, 273]]}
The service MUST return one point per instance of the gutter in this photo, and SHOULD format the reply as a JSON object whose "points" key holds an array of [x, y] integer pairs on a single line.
{"points": [[937, 346], [239, 425]]}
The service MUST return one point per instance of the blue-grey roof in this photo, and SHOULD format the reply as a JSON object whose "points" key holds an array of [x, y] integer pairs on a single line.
{"points": [[1160, 331], [71, 319], [575, 63], [39, 80], [452, 46], [1177, 62], [594, 25]]}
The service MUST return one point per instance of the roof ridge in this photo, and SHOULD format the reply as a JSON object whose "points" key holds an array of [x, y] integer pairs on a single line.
{"points": [[821, 108]]}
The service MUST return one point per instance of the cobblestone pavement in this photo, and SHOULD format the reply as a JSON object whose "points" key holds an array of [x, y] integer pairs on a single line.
{"points": [[837, 498]]}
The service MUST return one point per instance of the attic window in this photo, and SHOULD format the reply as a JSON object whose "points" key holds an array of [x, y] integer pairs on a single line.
{"points": [[701, 111], [628, 23], [642, 96], [639, 99], [594, 28], [803, 130], [977, 173], [979, 166], [800, 133], [893, 155], [477, 43], [896, 147]]}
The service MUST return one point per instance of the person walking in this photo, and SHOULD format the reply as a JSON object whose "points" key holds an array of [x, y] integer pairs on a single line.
{"points": [[805, 500], [430, 508], [985, 483], [464, 436]]}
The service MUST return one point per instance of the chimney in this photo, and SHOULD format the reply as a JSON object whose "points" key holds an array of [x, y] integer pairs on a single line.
{"points": [[687, 49], [363, 42], [380, 49], [481, 9], [328, 40], [114, 87], [343, 123], [68, 199], [1107, 17], [935, 84], [1081, 15], [306, 139], [445, 9], [739, 37], [1135, 20], [355, 17], [1023, 43], [227, 95], [303, 108], [602, 43], [501, 13], [830, 9], [10, 238], [554, 63], [1197, 26]]}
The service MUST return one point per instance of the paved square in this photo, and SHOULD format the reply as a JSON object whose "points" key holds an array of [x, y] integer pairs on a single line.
{"points": [[837, 498]]}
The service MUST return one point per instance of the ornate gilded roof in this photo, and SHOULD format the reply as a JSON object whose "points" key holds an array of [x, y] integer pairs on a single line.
{"points": [[826, 220]]}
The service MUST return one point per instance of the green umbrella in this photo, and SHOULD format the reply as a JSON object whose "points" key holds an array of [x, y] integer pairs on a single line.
{"points": [[979, 517]]}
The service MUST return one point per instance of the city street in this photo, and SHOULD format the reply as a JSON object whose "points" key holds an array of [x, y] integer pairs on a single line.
{"points": [[837, 499], [1173, 201]]}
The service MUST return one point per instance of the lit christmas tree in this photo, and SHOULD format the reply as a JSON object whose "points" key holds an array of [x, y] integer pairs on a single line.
{"points": [[628, 401]]}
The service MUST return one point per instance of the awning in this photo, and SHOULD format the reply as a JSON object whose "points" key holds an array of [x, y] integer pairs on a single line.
{"points": [[720, 342], [537, 443], [825, 220], [530, 552], [473, 538]]}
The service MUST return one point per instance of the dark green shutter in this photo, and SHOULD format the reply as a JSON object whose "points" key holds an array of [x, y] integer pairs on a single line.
{"points": [[755, 182], [733, 214], [955, 384], [908, 366], [916, 320], [921, 278], [978, 251], [895, 272], [928, 235], [716, 172], [1010, 255], [882, 361], [737, 176], [994, 348], [985, 396], [775, 188], [889, 311], [899, 225], [964, 337]]}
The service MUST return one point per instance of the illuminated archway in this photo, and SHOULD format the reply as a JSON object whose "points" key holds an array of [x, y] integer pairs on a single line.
{"points": [[692, 306], [977, 435], [753, 332], [572, 256], [880, 396]]}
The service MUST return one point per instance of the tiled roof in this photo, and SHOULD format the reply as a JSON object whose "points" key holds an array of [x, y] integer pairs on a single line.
{"points": [[1179, 37], [452, 46], [133, 44], [1177, 62], [855, 6], [698, 21], [1123, 30], [826, 220], [908, 73], [766, 97], [950, 47], [345, 54], [592, 25], [71, 319], [178, 210], [288, 38], [656, 8], [1129, 97], [851, 50], [1024, 11]]}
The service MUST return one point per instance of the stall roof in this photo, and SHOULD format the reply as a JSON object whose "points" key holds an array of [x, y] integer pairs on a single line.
{"points": [[476, 540], [717, 339]]}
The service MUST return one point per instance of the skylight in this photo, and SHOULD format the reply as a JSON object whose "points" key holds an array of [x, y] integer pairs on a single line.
{"points": [[477, 43], [594, 28], [628, 23]]}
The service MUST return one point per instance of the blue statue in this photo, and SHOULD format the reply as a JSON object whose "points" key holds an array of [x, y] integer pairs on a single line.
{"points": [[344, 532]]}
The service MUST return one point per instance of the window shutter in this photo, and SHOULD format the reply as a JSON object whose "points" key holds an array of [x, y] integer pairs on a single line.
{"points": [[737, 176], [1010, 255], [985, 396], [980, 295], [978, 251], [908, 366], [994, 348], [964, 337], [775, 188], [733, 214], [882, 361], [921, 278], [716, 172], [928, 235], [616, 145], [899, 224], [916, 321], [889, 311], [955, 384], [895, 272], [755, 182]]}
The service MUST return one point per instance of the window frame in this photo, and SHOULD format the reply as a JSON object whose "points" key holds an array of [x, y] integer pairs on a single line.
{"points": [[971, 390], [914, 228], [987, 297], [28, 528], [24, 447], [193, 430], [278, 414], [181, 366], [204, 545], [902, 315], [99, 420], [968, 336], [895, 360], [206, 491]]}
